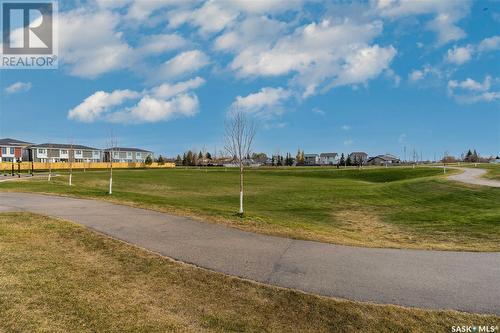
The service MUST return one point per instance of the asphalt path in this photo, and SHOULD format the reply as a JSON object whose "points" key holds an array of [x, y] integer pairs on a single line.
{"points": [[467, 281]]}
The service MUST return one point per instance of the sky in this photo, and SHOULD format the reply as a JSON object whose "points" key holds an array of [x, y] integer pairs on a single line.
{"points": [[377, 76]]}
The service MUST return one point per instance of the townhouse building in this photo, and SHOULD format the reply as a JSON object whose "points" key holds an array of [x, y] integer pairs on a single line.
{"points": [[12, 150], [123, 154], [55, 152]]}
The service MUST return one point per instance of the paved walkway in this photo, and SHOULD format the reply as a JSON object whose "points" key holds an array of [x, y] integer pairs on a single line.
{"points": [[429, 279], [473, 176]]}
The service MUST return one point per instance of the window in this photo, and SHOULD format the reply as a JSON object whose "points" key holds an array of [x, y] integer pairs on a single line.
{"points": [[42, 151], [115, 154], [11, 151], [78, 152], [64, 152], [129, 154], [4, 150], [138, 155]]}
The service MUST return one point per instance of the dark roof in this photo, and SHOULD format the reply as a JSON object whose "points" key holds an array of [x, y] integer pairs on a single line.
{"points": [[62, 146], [387, 157], [358, 152], [127, 149], [311, 155], [13, 142], [328, 154]]}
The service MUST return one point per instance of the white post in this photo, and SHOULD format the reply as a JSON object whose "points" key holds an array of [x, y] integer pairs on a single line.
{"points": [[70, 179], [241, 202], [111, 185]]}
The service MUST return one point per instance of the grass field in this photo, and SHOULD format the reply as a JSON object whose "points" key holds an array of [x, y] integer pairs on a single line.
{"points": [[399, 207], [56, 276], [493, 170]]}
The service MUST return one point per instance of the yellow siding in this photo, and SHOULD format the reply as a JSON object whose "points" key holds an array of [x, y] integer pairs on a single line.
{"points": [[7, 166]]}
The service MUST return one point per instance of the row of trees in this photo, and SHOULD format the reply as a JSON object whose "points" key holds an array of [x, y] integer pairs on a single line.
{"points": [[191, 158]]}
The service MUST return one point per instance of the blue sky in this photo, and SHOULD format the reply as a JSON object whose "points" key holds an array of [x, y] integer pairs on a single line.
{"points": [[374, 76]]}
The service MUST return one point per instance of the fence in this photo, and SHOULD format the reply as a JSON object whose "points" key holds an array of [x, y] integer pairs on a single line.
{"points": [[6, 167]]}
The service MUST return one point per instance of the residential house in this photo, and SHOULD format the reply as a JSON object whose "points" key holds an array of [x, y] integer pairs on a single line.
{"points": [[311, 159], [12, 150], [328, 159], [358, 158], [386, 159], [122, 154], [56, 152]]}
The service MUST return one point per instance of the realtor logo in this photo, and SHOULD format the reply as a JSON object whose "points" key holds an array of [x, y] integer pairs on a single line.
{"points": [[28, 34]]}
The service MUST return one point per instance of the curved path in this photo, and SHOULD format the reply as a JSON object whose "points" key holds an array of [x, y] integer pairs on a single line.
{"points": [[429, 279], [473, 176]]}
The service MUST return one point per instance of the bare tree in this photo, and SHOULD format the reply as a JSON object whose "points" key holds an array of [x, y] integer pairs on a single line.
{"points": [[238, 140], [71, 153], [112, 143]]}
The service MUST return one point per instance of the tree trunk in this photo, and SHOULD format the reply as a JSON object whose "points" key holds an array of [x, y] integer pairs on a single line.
{"points": [[241, 188]]}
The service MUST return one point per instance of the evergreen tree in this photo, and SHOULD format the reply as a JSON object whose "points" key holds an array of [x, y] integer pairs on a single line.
{"points": [[178, 160], [184, 160], [342, 159], [468, 156], [208, 156], [190, 157], [148, 160], [348, 161], [160, 160], [475, 156]]}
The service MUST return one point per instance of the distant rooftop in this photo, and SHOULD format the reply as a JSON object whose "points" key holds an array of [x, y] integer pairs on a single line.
{"points": [[13, 142], [127, 149], [62, 146], [328, 154]]}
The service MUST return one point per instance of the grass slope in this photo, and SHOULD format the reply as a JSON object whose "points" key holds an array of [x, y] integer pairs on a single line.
{"points": [[56, 276], [379, 207]]}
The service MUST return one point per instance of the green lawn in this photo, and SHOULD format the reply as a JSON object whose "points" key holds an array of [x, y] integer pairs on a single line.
{"points": [[376, 207], [56, 276], [493, 170]]}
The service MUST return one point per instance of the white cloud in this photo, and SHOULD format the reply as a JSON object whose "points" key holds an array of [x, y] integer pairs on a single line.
{"points": [[348, 142], [489, 44], [471, 91], [151, 109], [90, 52], [470, 84], [317, 53], [184, 63], [416, 75], [266, 102], [345, 127], [18, 87], [426, 72], [459, 55], [446, 14], [158, 44], [211, 17], [402, 138], [365, 64], [161, 103], [99, 103], [258, 32], [318, 111], [168, 90]]}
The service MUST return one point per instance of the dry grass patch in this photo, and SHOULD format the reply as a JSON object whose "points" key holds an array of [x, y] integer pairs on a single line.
{"points": [[56, 276]]}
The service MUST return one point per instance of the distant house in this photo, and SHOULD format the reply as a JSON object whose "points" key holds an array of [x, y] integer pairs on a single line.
{"points": [[358, 157], [12, 150], [129, 155], [56, 152], [328, 158], [311, 159], [386, 159]]}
